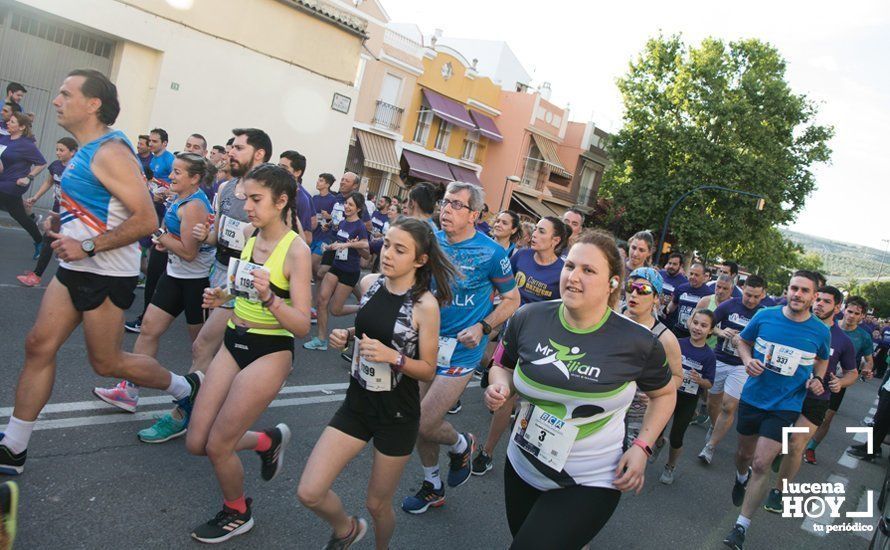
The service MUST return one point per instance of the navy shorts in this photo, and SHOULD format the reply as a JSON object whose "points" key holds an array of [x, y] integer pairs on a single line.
{"points": [[755, 421]]}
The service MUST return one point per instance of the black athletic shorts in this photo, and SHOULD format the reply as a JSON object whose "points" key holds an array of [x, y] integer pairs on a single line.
{"points": [[755, 421], [814, 409], [89, 290], [834, 402], [327, 257], [247, 347], [175, 295], [348, 278], [396, 439]]}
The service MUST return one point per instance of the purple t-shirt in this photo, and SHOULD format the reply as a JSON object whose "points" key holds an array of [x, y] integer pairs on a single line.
{"points": [[349, 231], [325, 203], [18, 157], [842, 359], [55, 170], [305, 209], [378, 220], [671, 283], [699, 359], [686, 298], [732, 314], [536, 283]]}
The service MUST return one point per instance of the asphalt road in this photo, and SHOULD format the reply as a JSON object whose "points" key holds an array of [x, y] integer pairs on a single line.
{"points": [[89, 483]]}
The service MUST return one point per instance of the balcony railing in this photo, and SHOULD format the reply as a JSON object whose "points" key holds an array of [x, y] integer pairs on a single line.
{"points": [[388, 116], [472, 151], [402, 42]]}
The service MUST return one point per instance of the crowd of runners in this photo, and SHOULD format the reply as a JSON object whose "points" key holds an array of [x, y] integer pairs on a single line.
{"points": [[587, 352]]}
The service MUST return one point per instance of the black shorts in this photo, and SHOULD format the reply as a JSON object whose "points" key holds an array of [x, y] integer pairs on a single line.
{"points": [[327, 257], [247, 347], [89, 290], [834, 402], [755, 421], [395, 439], [348, 278], [814, 410], [175, 295]]}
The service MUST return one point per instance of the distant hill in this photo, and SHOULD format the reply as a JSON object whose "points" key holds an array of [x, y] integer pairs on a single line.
{"points": [[842, 260]]}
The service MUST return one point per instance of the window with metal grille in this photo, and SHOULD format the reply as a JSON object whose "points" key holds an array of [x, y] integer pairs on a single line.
{"points": [[59, 34]]}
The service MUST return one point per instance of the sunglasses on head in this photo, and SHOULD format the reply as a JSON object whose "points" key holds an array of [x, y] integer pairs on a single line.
{"points": [[642, 288]]}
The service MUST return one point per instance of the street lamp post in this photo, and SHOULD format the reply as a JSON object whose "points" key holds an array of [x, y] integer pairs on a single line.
{"points": [[667, 220]]}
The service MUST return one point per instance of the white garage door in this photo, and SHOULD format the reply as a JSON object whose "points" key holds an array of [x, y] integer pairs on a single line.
{"points": [[37, 51]]}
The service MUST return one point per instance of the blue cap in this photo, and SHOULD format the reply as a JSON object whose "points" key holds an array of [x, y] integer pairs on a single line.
{"points": [[651, 275]]}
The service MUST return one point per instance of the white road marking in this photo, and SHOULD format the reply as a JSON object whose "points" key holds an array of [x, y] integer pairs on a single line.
{"points": [[848, 461], [809, 523], [872, 411], [861, 437]]}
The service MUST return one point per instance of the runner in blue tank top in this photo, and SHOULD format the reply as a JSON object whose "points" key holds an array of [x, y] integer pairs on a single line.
{"points": [[105, 210]]}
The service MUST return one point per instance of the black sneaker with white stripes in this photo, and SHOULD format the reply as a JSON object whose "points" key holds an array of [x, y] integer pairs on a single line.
{"points": [[273, 459], [226, 524]]}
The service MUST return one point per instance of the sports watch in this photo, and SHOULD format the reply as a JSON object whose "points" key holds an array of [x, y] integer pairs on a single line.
{"points": [[486, 328], [89, 247]]}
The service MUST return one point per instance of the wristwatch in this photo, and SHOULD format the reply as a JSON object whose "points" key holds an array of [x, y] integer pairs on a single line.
{"points": [[643, 445], [486, 328], [89, 247]]}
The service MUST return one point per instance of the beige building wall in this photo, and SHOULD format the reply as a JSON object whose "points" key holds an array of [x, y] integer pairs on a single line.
{"points": [[224, 64]]}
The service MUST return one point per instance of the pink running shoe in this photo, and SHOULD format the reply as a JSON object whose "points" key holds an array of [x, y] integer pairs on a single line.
{"points": [[29, 278], [120, 396]]}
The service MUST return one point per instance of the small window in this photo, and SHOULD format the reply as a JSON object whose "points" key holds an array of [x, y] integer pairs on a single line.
{"points": [[443, 136], [424, 121]]}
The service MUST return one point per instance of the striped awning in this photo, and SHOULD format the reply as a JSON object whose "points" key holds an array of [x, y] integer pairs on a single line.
{"points": [[548, 151], [379, 152], [448, 109], [533, 206]]}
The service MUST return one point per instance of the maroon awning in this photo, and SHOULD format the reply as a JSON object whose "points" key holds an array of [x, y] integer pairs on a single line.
{"points": [[464, 174], [487, 126], [448, 110], [427, 168]]}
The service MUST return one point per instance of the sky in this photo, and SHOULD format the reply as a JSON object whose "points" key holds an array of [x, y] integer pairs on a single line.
{"points": [[837, 55]]}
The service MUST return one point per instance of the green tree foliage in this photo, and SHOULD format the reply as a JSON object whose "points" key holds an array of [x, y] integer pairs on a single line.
{"points": [[878, 295], [719, 114]]}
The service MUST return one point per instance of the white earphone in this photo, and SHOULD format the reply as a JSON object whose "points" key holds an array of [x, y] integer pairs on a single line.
{"points": [[613, 283]]}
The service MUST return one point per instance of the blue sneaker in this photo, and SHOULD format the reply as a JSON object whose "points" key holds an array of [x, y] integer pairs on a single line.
{"points": [[460, 468], [317, 344], [165, 429], [186, 403], [425, 498], [11, 464]]}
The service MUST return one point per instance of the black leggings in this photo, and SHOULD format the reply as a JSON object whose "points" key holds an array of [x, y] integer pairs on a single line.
{"points": [[882, 418], [565, 518], [684, 410], [16, 209], [157, 265], [46, 254]]}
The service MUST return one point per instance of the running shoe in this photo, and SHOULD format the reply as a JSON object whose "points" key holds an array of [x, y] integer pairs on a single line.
{"points": [[657, 450], [359, 528], [141, 282], [482, 463], [28, 278], [11, 464], [165, 429], [9, 508], [186, 403], [134, 326], [736, 538], [273, 458], [809, 456], [425, 498], [739, 488], [774, 502], [699, 419], [120, 396], [667, 475], [37, 248], [861, 452], [226, 524], [317, 344], [707, 454], [455, 408], [459, 469]]}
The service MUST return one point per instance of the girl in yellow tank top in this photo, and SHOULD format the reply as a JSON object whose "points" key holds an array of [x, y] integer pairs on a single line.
{"points": [[271, 282]]}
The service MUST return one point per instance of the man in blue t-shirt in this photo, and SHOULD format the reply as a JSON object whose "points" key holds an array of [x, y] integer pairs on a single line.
{"points": [[785, 351], [730, 318], [686, 298], [465, 325], [295, 164], [841, 373]]}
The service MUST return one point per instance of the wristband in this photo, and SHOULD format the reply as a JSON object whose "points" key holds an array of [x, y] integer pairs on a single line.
{"points": [[399, 364], [268, 303], [643, 445]]}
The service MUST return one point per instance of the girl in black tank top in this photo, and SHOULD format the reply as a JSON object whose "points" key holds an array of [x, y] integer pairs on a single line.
{"points": [[396, 341]]}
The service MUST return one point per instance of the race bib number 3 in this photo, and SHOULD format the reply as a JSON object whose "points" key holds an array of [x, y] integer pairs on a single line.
{"points": [[446, 350], [781, 359], [544, 436], [240, 280], [372, 375]]}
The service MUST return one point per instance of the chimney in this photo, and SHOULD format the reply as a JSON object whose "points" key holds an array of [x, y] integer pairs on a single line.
{"points": [[545, 90]]}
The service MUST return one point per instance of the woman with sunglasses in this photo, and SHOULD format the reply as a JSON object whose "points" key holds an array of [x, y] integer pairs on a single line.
{"points": [[699, 367], [537, 270], [641, 293], [575, 365], [351, 236]]}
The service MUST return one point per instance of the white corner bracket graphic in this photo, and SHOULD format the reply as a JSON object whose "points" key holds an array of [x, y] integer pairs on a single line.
{"points": [[869, 433], [791, 430]]}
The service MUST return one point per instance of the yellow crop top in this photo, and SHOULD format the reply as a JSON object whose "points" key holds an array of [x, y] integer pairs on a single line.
{"points": [[254, 312]]}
